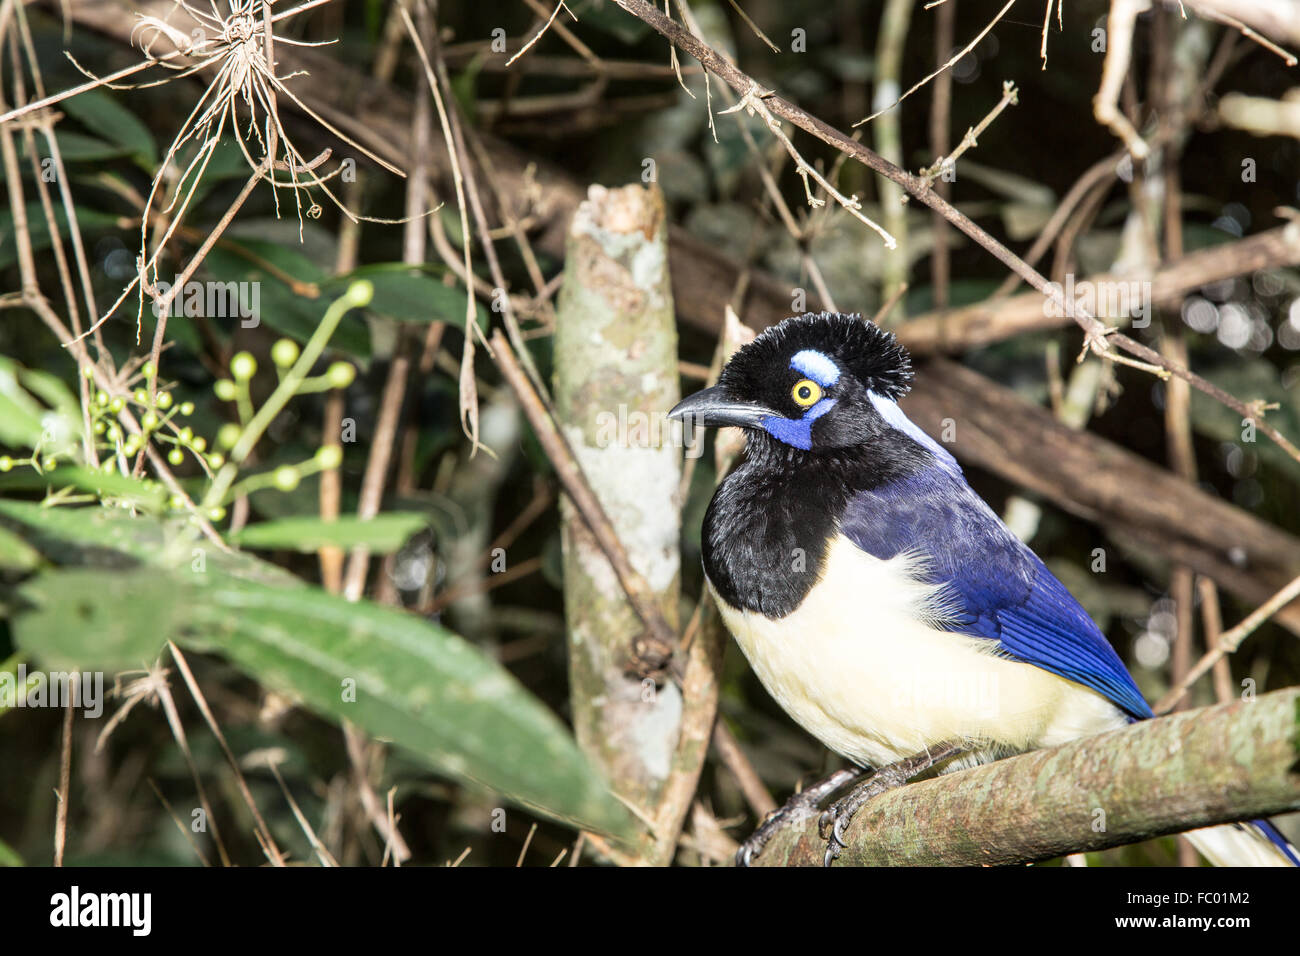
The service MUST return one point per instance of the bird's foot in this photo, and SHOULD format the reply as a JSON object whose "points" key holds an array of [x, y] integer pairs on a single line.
{"points": [[834, 822], [802, 804]]}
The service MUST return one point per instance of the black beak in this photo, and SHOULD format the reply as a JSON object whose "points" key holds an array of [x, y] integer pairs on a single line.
{"points": [[714, 407]]}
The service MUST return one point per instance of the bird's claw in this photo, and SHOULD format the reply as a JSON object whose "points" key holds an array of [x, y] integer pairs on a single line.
{"points": [[754, 843], [748, 851], [799, 807], [832, 825]]}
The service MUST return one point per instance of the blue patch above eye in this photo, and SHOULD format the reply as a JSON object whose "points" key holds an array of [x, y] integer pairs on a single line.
{"points": [[816, 366], [797, 431]]}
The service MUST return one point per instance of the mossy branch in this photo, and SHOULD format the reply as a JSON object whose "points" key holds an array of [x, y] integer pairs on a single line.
{"points": [[1237, 761]]}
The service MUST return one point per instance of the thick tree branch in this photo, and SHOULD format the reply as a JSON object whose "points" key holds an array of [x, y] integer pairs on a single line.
{"points": [[994, 320], [1236, 761]]}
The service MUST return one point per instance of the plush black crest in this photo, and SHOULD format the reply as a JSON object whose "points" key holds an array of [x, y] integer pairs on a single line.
{"points": [[861, 348]]}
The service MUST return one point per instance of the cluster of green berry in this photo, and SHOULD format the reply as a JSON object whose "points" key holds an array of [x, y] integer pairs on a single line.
{"points": [[160, 416], [243, 366]]}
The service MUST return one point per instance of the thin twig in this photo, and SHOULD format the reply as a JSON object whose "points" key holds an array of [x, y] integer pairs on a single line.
{"points": [[733, 758], [468, 397], [940, 140], [1229, 642], [65, 783], [323, 854], [276, 857], [951, 60], [528, 46], [1010, 97]]}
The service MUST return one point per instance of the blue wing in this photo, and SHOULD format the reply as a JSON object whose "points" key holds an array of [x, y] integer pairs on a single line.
{"points": [[1003, 591]]}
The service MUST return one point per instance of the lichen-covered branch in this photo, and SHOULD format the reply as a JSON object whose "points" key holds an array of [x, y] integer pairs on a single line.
{"points": [[1236, 761], [615, 374]]}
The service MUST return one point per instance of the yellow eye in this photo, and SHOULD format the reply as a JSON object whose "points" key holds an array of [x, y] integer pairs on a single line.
{"points": [[806, 393]]}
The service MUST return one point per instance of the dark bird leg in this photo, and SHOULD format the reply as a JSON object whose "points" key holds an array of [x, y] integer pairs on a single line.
{"points": [[839, 815], [803, 803]]}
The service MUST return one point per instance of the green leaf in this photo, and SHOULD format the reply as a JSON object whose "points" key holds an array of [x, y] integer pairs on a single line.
{"points": [[51, 390], [1250, 380], [90, 221], [101, 113], [79, 148], [15, 553], [401, 293], [395, 675], [9, 856], [114, 537], [415, 684], [293, 309], [605, 16], [123, 487], [100, 620], [464, 88], [20, 414], [70, 534], [24, 421], [382, 534], [226, 163]]}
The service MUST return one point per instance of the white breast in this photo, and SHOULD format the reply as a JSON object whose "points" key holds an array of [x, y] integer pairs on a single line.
{"points": [[861, 666]]}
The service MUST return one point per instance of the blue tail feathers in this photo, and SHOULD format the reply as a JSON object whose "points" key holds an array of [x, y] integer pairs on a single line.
{"points": [[1278, 840]]}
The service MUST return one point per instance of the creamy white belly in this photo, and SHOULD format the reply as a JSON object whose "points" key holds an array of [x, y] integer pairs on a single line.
{"points": [[859, 666]]}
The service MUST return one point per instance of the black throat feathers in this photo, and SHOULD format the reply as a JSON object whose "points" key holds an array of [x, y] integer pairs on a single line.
{"points": [[768, 527]]}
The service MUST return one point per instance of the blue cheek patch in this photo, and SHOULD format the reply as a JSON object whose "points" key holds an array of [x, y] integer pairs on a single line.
{"points": [[816, 366], [797, 431]]}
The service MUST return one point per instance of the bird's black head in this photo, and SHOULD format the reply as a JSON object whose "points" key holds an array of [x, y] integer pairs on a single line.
{"points": [[819, 382]]}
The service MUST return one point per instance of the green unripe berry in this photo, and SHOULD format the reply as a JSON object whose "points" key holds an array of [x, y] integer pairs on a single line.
{"points": [[98, 427], [164, 400], [225, 389], [187, 408], [284, 352], [286, 478], [243, 366], [199, 443], [329, 456], [360, 293], [186, 435], [216, 460], [101, 398], [149, 421], [228, 435], [216, 514], [176, 456], [148, 369], [141, 395], [108, 466], [116, 405], [176, 501], [6, 463], [88, 371], [340, 375]]}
